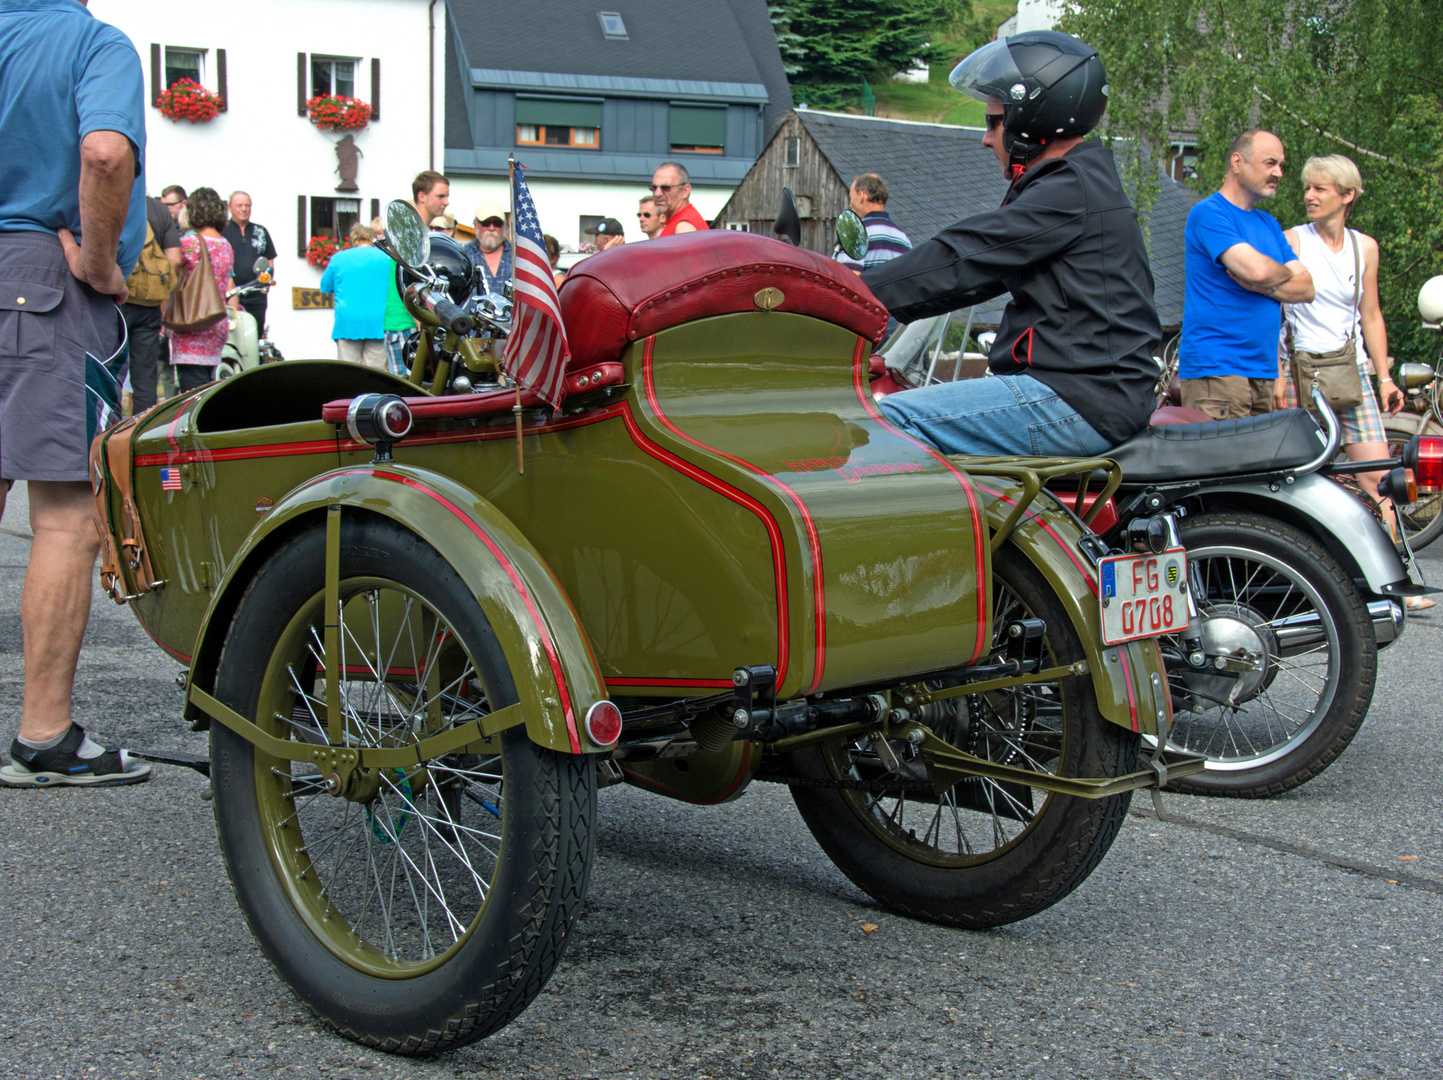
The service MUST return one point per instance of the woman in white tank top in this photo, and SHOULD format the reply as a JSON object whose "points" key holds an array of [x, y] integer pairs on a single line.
{"points": [[1325, 245]]}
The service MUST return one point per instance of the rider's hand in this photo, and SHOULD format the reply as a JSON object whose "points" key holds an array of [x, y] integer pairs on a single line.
{"points": [[105, 278], [1392, 397]]}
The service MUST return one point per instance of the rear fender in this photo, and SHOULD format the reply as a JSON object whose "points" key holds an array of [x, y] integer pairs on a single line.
{"points": [[556, 676], [1129, 680], [1333, 516]]}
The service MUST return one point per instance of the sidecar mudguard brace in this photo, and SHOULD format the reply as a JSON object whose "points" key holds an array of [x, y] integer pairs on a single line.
{"points": [[547, 651], [1129, 679]]}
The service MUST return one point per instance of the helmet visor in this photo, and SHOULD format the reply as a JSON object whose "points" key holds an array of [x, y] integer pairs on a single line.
{"points": [[988, 74]]}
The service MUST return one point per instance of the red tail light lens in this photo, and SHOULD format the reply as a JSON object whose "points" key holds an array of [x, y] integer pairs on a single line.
{"points": [[603, 723], [1428, 467]]}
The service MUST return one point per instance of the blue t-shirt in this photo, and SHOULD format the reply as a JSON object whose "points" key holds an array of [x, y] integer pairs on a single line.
{"points": [[64, 74], [357, 278], [1226, 329]]}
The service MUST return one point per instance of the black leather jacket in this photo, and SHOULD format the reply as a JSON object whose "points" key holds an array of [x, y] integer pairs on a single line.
{"points": [[1066, 244]]}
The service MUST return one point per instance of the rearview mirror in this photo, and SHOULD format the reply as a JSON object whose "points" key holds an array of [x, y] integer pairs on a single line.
{"points": [[406, 234], [262, 264], [788, 225], [851, 235]]}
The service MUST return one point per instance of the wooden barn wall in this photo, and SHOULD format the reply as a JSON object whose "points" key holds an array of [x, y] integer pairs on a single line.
{"points": [[757, 198]]}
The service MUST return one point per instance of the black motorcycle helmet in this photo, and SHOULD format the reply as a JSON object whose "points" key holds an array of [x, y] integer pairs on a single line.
{"points": [[450, 262], [1049, 84]]}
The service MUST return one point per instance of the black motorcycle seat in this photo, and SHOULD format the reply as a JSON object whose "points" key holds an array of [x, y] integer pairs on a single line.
{"points": [[1252, 444]]}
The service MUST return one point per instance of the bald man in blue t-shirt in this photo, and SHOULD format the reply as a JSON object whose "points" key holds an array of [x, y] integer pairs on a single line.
{"points": [[1240, 271]]}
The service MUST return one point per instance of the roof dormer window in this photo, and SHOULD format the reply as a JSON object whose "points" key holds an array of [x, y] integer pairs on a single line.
{"points": [[612, 26]]}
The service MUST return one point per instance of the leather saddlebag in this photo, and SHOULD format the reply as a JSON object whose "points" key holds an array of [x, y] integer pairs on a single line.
{"points": [[125, 570]]}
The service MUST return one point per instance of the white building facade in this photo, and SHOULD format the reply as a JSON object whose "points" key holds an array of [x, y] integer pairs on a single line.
{"points": [[266, 58]]}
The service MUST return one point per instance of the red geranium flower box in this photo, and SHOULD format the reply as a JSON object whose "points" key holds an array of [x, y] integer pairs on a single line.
{"points": [[320, 249], [338, 113], [185, 99]]}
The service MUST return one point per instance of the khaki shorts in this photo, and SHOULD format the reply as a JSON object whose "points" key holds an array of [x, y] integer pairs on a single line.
{"points": [[1227, 397], [368, 351]]}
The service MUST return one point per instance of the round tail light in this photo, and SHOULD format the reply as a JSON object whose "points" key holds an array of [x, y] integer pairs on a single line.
{"points": [[378, 418], [603, 723]]}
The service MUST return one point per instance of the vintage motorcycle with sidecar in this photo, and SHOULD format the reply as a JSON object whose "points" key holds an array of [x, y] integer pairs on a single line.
{"points": [[418, 662]]}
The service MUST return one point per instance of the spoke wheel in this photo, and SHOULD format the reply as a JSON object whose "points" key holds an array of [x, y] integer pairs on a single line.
{"points": [[426, 905], [982, 853], [1422, 519], [1272, 596]]}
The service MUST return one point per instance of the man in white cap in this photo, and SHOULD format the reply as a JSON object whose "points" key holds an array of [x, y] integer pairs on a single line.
{"points": [[491, 251]]}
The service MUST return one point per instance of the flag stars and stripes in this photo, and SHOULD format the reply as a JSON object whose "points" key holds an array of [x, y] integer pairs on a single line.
{"points": [[536, 351]]}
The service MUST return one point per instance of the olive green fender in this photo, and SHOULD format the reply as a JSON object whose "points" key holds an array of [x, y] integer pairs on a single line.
{"points": [[1129, 679], [557, 679]]}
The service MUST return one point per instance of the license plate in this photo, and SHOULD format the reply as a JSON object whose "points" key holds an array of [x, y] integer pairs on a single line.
{"points": [[1143, 595]]}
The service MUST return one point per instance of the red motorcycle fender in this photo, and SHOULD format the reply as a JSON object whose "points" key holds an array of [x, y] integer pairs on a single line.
{"points": [[546, 649], [1129, 679]]}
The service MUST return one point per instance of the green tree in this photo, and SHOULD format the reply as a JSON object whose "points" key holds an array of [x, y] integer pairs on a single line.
{"points": [[833, 47], [1357, 77]]}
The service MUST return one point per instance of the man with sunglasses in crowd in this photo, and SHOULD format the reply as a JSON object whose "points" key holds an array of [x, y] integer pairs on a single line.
{"points": [[650, 217], [491, 251], [671, 186], [1073, 354]]}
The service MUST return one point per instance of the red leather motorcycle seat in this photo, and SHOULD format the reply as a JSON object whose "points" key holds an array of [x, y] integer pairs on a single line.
{"points": [[633, 291]]}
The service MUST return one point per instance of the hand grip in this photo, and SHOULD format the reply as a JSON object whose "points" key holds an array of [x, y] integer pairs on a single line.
{"points": [[451, 315]]}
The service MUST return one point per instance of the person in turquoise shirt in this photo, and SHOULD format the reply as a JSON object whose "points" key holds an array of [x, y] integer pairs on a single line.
{"points": [[357, 277]]}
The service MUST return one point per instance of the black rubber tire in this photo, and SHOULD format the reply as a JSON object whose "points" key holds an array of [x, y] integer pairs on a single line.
{"points": [[1423, 520], [1355, 657], [1054, 852], [547, 820]]}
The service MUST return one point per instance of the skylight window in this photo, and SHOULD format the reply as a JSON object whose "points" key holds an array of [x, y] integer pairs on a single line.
{"points": [[612, 26]]}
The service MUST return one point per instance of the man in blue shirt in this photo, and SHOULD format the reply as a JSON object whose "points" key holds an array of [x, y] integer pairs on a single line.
{"points": [[72, 223], [1240, 271]]}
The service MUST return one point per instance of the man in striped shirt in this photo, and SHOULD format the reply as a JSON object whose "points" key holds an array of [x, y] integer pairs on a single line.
{"points": [[884, 239]]}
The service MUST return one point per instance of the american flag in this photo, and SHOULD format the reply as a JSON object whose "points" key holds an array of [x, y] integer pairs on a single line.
{"points": [[536, 351], [169, 479]]}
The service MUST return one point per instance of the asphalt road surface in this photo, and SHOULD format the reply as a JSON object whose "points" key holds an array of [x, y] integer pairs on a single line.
{"points": [[1297, 937]]}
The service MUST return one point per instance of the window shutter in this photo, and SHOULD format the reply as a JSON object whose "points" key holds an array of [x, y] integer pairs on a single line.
{"points": [[301, 73], [155, 83], [697, 125], [375, 90], [301, 237], [220, 79], [559, 113], [376, 209]]}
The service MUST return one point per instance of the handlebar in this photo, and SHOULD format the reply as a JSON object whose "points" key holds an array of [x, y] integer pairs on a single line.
{"points": [[450, 315]]}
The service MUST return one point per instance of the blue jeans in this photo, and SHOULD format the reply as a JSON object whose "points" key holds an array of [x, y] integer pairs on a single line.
{"points": [[1001, 414]]}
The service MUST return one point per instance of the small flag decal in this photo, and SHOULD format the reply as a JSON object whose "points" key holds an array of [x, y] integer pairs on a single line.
{"points": [[169, 479]]}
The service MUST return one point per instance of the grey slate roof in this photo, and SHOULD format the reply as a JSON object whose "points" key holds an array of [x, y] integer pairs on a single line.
{"points": [[534, 45], [938, 173]]}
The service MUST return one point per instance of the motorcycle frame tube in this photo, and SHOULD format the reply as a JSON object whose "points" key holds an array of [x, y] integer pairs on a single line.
{"points": [[550, 658], [1330, 514], [1129, 679]]}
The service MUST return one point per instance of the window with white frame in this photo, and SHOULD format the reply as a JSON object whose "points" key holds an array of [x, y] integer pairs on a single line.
{"points": [[333, 75], [183, 63]]}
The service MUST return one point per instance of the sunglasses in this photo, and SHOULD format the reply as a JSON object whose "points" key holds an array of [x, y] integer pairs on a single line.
{"points": [[178, 202], [492, 223], [994, 120], [640, 214], [664, 188]]}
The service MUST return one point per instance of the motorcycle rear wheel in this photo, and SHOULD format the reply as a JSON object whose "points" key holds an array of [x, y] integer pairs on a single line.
{"points": [[430, 912], [1268, 579], [988, 853]]}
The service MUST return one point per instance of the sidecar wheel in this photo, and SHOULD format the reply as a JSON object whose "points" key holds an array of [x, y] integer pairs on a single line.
{"points": [[427, 907], [983, 853], [1267, 582]]}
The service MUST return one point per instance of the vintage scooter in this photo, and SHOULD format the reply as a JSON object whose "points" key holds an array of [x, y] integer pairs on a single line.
{"points": [[418, 657], [246, 346]]}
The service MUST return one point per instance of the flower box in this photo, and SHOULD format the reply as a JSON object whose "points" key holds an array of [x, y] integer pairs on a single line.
{"points": [[185, 99], [320, 249], [338, 113]]}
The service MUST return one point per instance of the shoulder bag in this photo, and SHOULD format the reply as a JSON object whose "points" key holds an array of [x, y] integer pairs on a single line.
{"points": [[196, 304], [1335, 373]]}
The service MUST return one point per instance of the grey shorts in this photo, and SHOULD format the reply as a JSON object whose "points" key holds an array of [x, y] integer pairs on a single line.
{"points": [[62, 361]]}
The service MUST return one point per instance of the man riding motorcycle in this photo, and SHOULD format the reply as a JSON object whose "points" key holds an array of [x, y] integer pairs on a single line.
{"points": [[1074, 349]]}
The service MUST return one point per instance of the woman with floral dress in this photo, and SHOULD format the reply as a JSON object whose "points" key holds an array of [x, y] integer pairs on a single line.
{"points": [[196, 356]]}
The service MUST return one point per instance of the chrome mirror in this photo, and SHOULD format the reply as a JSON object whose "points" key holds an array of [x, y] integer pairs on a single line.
{"points": [[407, 238]]}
